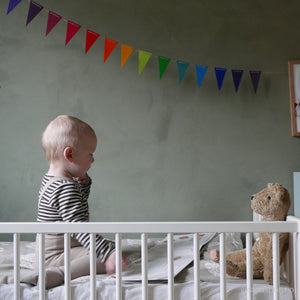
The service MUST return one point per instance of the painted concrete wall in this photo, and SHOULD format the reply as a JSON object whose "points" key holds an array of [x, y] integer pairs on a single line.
{"points": [[166, 151]]}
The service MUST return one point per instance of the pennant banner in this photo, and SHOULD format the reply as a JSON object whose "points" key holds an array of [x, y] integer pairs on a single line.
{"points": [[11, 5], [125, 53], [181, 68], [34, 9], [220, 74], [53, 19], [237, 76], [143, 59], [91, 38], [109, 47], [255, 75], [200, 70], [72, 29], [162, 65]]}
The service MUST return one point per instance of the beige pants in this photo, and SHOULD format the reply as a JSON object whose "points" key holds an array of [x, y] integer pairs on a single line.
{"points": [[54, 260]]}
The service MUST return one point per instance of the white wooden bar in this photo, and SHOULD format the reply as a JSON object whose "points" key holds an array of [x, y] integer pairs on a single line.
{"points": [[223, 295], [41, 241], [16, 266], [296, 255], [67, 245], [118, 266], [276, 268], [170, 267], [196, 267], [249, 266], [92, 267], [144, 245]]}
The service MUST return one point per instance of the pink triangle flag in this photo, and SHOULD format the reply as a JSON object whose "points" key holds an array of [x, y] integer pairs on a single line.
{"points": [[72, 29], [53, 19], [91, 38], [109, 46]]}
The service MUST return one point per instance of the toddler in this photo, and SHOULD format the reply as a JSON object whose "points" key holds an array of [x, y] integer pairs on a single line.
{"points": [[69, 144]]}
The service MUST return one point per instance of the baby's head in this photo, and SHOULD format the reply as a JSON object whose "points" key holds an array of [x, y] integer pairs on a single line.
{"points": [[64, 131]]}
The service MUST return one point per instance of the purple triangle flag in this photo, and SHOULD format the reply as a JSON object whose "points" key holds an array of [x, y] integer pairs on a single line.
{"points": [[220, 74], [33, 11], [255, 76], [236, 76], [12, 4], [200, 70]]}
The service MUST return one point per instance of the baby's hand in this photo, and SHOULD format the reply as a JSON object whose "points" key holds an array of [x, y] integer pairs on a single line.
{"points": [[82, 180], [110, 264]]}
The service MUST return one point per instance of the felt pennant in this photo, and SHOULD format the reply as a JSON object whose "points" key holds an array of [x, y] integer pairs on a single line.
{"points": [[125, 53], [11, 5], [91, 38], [200, 70], [236, 76], [220, 74], [34, 9], [143, 59], [109, 47], [53, 19], [72, 29], [181, 68], [255, 76], [162, 65]]}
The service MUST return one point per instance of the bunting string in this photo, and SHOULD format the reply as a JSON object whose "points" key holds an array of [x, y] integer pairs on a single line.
{"points": [[143, 56]]}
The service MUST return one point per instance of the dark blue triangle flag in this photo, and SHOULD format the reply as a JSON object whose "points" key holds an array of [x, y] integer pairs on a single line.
{"points": [[220, 74], [200, 70], [33, 11], [12, 4], [181, 67], [236, 76]]}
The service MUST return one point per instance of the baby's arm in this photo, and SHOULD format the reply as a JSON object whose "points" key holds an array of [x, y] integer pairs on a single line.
{"points": [[110, 263]]}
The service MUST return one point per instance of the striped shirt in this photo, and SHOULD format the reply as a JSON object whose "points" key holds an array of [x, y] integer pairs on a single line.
{"points": [[65, 200]]}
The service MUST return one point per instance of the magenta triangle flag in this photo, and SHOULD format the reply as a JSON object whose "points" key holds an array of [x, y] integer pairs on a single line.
{"points": [[255, 76], [72, 29], [236, 76], [109, 46], [91, 38], [34, 9], [53, 19], [220, 74], [11, 5]]}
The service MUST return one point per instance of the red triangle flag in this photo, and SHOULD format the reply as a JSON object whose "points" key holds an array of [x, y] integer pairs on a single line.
{"points": [[109, 46], [91, 38], [53, 19], [72, 28]]}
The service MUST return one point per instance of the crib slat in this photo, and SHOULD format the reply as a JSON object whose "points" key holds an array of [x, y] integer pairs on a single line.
{"points": [[276, 269], [144, 241], [223, 295], [16, 266], [67, 245], [118, 267], [41, 240], [296, 248], [196, 267], [249, 268], [170, 267], [92, 266]]}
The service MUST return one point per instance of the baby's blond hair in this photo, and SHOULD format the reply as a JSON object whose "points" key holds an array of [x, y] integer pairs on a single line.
{"points": [[64, 131]]}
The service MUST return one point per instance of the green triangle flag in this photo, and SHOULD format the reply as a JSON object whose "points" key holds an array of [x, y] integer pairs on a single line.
{"points": [[162, 64], [143, 59]]}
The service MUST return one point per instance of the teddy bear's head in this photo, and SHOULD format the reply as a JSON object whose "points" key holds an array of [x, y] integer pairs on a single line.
{"points": [[272, 203]]}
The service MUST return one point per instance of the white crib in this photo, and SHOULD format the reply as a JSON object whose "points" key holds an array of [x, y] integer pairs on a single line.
{"points": [[292, 262]]}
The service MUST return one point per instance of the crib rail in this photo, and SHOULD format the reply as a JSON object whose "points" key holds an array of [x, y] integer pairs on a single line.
{"points": [[292, 226]]}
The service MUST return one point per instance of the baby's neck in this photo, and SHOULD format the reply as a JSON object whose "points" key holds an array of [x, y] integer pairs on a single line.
{"points": [[57, 170]]}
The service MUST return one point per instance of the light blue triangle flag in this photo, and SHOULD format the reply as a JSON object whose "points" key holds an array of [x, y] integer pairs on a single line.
{"points": [[220, 74], [201, 70], [181, 67]]}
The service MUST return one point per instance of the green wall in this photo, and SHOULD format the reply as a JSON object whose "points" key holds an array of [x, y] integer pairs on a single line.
{"points": [[166, 151]]}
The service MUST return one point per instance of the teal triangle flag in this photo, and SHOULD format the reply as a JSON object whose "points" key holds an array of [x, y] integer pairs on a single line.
{"points": [[200, 70], [181, 67], [220, 74]]}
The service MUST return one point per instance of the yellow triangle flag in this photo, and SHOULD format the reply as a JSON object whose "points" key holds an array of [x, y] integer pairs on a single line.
{"points": [[125, 53], [143, 59]]}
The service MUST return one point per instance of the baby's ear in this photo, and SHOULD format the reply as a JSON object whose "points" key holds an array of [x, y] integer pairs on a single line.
{"points": [[68, 154]]}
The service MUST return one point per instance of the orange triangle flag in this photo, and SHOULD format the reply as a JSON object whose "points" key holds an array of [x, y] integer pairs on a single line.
{"points": [[109, 46], [91, 38], [125, 53]]}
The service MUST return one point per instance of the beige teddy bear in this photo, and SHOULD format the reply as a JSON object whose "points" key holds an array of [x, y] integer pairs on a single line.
{"points": [[273, 204]]}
